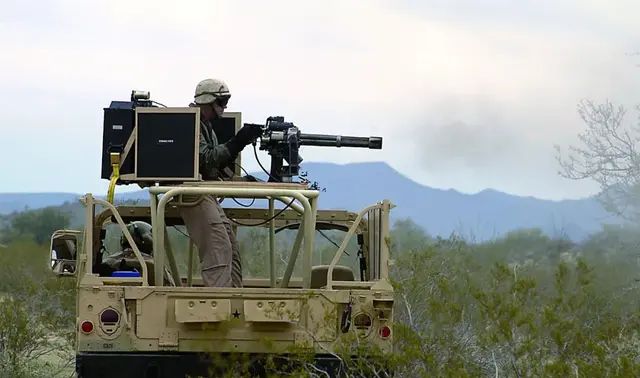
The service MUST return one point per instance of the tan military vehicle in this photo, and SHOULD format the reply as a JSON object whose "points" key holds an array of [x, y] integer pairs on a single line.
{"points": [[148, 315]]}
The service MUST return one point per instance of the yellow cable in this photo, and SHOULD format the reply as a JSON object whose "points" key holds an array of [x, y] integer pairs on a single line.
{"points": [[115, 175]]}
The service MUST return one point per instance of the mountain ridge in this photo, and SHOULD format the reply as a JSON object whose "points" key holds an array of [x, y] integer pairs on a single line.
{"points": [[484, 215]]}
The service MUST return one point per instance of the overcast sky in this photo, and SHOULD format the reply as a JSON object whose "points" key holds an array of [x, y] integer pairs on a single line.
{"points": [[467, 94]]}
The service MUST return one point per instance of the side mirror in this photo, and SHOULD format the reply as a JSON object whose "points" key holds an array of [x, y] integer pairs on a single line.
{"points": [[64, 249]]}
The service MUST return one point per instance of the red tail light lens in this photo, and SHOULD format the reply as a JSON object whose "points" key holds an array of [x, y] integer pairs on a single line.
{"points": [[86, 326], [385, 332]]}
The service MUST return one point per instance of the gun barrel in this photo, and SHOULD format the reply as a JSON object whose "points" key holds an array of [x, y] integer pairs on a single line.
{"points": [[374, 143]]}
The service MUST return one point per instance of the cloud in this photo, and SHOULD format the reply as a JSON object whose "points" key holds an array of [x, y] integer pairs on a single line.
{"points": [[457, 89]]}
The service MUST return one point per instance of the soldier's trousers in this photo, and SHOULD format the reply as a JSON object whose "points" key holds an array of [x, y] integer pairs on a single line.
{"points": [[211, 232]]}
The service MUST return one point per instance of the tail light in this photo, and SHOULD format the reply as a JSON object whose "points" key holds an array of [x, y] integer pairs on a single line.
{"points": [[86, 327], [384, 331]]}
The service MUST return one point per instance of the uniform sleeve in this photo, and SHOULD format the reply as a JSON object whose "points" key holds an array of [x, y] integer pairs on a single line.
{"points": [[213, 155]]}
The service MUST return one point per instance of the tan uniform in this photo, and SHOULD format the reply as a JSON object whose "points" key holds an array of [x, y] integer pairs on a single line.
{"points": [[206, 222], [211, 232]]}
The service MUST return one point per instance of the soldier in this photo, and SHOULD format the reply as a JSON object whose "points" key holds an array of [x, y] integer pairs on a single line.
{"points": [[206, 222], [126, 258]]}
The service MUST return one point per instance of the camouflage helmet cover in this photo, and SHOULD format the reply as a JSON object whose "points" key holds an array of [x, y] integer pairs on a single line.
{"points": [[209, 89], [141, 234]]}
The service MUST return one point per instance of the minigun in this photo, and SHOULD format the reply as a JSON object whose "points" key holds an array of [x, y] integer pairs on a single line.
{"points": [[282, 140]]}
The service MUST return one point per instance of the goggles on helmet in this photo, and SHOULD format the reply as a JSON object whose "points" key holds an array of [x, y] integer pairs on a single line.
{"points": [[222, 100]]}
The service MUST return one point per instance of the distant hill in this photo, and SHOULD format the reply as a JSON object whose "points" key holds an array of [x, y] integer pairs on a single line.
{"points": [[10, 202], [481, 216]]}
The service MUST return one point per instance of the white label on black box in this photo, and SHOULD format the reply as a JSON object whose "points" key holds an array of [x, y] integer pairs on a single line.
{"points": [[117, 127]]}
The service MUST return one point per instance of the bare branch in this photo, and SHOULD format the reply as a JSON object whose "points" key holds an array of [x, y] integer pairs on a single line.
{"points": [[608, 155]]}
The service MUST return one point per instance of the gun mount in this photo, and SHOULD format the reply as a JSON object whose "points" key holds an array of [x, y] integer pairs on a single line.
{"points": [[282, 140]]}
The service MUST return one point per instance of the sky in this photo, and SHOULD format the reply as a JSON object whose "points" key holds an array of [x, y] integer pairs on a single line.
{"points": [[467, 94]]}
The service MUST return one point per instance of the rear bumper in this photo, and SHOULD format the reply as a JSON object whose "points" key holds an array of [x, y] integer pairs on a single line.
{"points": [[165, 365]]}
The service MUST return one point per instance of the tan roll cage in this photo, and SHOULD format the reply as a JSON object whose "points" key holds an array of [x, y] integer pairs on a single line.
{"points": [[306, 198], [303, 216]]}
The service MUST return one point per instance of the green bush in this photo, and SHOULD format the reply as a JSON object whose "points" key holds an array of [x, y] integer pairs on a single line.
{"points": [[487, 310], [37, 314], [521, 305]]}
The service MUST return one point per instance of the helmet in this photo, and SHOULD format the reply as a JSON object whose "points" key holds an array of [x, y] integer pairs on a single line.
{"points": [[141, 234], [208, 90]]}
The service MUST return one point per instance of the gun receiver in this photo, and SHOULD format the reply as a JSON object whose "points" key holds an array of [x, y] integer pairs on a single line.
{"points": [[282, 140]]}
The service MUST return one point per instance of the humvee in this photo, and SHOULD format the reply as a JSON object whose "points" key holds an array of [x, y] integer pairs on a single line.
{"points": [[153, 319]]}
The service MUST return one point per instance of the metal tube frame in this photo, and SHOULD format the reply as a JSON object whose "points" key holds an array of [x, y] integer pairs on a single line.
{"points": [[346, 239], [89, 220], [90, 203], [307, 198], [384, 241], [158, 258], [190, 264], [272, 245], [295, 250], [173, 267], [284, 200]]}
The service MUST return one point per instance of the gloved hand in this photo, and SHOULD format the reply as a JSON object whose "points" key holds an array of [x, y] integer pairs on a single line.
{"points": [[247, 134]]}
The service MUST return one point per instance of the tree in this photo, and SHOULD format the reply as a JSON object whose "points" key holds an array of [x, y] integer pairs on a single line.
{"points": [[608, 154], [40, 224], [408, 237]]}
